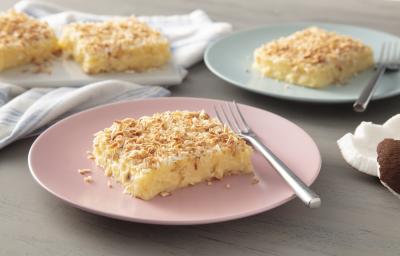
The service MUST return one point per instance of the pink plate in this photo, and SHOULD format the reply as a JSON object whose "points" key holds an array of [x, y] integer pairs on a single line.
{"points": [[60, 151]]}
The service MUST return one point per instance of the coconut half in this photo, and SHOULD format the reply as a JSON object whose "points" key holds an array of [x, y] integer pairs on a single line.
{"points": [[360, 149]]}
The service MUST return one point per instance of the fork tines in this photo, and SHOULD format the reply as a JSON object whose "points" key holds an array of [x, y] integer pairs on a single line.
{"points": [[389, 54], [234, 117]]}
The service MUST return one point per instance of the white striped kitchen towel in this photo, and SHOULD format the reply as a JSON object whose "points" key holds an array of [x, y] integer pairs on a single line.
{"points": [[27, 112]]}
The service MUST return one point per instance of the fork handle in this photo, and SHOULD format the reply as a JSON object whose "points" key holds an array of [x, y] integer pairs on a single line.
{"points": [[363, 100], [309, 197]]}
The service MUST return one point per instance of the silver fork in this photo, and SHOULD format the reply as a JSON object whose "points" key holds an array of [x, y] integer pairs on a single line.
{"points": [[389, 61], [309, 197]]}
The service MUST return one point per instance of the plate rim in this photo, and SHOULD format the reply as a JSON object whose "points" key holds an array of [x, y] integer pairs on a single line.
{"points": [[278, 95], [164, 222]]}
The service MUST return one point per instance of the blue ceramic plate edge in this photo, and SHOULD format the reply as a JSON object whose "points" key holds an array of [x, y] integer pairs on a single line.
{"points": [[281, 96]]}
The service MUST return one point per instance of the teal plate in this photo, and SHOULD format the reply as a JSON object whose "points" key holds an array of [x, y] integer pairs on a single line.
{"points": [[231, 59]]}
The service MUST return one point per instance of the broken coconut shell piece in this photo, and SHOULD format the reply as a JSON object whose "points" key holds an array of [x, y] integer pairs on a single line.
{"points": [[389, 164], [359, 149]]}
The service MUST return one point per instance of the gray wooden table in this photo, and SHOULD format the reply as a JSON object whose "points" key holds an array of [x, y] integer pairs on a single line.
{"points": [[358, 216]]}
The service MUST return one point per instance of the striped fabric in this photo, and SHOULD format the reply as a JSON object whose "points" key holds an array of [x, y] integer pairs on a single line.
{"points": [[25, 113]]}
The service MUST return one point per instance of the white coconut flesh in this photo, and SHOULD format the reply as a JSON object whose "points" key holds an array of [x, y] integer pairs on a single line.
{"points": [[359, 149]]}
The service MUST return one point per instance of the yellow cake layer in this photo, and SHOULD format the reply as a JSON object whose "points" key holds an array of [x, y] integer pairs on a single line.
{"points": [[24, 40], [119, 44], [313, 57], [170, 150]]}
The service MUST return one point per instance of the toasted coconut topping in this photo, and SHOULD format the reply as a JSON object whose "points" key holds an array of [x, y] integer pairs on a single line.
{"points": [[112, 37], [255, 180], [88, 179], [84, 171], [19, 29], [164, 194], [109, 184], [312, 46], [149, 140]]}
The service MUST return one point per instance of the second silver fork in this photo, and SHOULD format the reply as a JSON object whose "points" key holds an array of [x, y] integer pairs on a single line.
{"points": [[389, 60], [240, 126]]}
